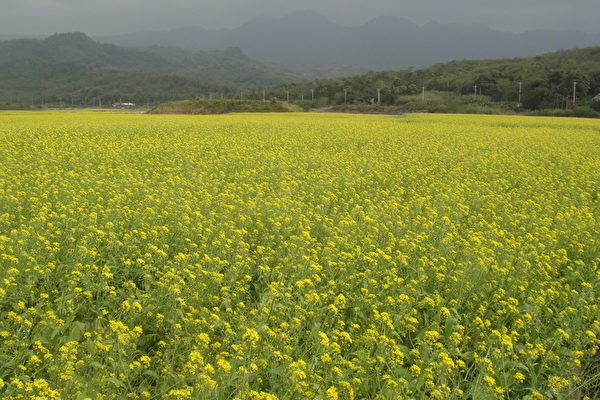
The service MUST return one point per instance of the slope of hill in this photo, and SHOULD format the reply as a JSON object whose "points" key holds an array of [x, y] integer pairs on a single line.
{"points": [[37, 82], [547, 81], [307, 38], [73, 65], [74, 69], [229, 66]]}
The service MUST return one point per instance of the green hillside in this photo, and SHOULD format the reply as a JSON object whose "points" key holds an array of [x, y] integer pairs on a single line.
{"points": [[72, 68], [68, 83], [229, 66], [547, 83]]}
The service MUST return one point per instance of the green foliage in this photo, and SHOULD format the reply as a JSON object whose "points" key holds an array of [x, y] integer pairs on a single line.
{"points": [[581, 112], [547, 83], [435, 102], [14, 106], [200, 106], [71, 84]]}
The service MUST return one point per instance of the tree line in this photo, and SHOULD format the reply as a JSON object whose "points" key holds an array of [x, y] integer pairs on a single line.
{"points": [[544, 82]]}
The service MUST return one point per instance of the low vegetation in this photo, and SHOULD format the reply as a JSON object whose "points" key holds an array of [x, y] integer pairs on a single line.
{"points": [[14, 106], [435, 102], [446, 102], [200, 106]]}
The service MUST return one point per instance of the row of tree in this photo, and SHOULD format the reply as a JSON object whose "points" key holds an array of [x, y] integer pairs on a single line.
{"points": [[540, 82]]}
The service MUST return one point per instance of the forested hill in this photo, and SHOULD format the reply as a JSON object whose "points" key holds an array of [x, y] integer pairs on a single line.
{"points": [[547, 80], [72, 67]]}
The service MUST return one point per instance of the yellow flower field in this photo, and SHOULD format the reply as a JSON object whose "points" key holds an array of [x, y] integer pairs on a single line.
{"points": [[298, 256]]}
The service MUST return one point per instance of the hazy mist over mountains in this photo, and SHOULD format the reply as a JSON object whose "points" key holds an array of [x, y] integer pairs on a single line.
{"points": [[308, 38]]}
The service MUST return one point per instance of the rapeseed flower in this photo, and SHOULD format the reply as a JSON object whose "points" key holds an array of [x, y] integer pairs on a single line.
{"points": [[297, 256]]}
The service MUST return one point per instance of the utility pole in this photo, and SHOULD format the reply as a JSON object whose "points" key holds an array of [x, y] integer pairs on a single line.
{"points": [[100, 101], [423, 95], [378, 96], [345, 96], [475, 91], [520, 91], [287, 95], [574, 92], [312, 94]]}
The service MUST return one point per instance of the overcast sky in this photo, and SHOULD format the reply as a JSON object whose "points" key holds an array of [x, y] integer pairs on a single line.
{"points": [[98, 17]]}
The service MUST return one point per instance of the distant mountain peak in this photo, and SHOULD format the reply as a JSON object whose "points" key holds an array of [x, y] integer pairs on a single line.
{"points": [[234, 53], [386, 42], [305, 15], [307, 18], [70, 38], [390, 20]]}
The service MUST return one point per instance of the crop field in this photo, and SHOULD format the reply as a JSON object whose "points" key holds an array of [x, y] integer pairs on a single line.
{"points": [[298, 256]]}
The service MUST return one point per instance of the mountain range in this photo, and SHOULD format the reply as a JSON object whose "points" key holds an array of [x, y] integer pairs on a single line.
{"points": [[148, 67], [307, 38], [228, 66], [72, 65]]}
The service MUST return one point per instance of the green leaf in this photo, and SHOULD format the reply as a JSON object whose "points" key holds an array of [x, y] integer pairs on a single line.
{"points": [[151, 373], [76, 331], [115, 381]]}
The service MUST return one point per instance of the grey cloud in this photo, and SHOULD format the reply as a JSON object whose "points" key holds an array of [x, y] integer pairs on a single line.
{"points": [[120, 16]]}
